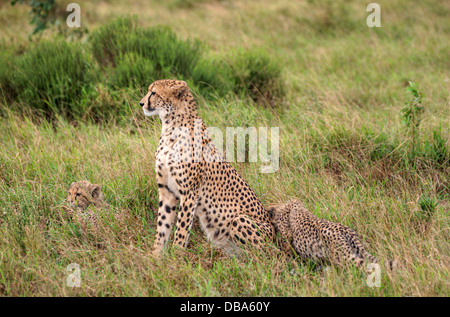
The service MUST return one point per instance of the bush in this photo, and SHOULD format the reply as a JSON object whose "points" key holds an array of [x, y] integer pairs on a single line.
{"points": [[427, 209], [213, 76], [257, 75], [50, 76], [110, 40], [120, 43], [170, 56], [54, 76], [247, 73], [133, 71]]}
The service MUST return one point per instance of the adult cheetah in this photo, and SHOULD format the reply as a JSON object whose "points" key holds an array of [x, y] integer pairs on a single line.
{"points": [[190, 171], [317, 239]]}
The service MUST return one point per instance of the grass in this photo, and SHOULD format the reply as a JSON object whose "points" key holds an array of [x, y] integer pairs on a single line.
{"points": [[343, 150]]}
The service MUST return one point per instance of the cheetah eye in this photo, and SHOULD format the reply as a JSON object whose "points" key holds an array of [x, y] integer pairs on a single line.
{"points": [[77, 194], [152, 93]]}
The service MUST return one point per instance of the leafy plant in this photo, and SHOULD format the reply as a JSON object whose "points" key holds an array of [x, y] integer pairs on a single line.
{"points": [[427, 208], [411, 114], [42, 12]]}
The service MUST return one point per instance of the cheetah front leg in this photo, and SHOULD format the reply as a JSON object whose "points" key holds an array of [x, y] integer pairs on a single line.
{"points": [[186, 215], [166, 217]]}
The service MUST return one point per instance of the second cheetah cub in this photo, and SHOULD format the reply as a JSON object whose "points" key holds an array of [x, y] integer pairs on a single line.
{"points": [[317, 239], [87, 203]]}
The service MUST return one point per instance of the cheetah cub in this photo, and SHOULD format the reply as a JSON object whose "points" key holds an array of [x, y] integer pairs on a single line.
{"points": [[317, 239], [87, 203]]}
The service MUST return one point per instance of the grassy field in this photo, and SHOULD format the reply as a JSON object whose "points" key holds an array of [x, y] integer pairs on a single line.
{"points": [[345, 149]]}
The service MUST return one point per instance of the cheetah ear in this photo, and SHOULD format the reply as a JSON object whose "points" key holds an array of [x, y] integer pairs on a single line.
{"points": [[180, 89], [95, 191]]}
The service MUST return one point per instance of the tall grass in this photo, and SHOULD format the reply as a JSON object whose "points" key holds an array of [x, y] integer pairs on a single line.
{"points": [[34, 182]]}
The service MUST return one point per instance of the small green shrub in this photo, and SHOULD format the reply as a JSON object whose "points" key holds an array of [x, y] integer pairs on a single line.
{"points": [[411, 114], [250, 73], [50, 76], [111, 40], [257, 75], [213, 76], [170, 56], [133, 70], [427, 208]]}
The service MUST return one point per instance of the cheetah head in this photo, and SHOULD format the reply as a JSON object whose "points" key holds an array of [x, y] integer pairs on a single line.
{"points": [[82, 194], [164, 97]]}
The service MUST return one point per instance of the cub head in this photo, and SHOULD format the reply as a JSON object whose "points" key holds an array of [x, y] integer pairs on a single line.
{"points": [[277, 216], [82, 194], [164, 97]]}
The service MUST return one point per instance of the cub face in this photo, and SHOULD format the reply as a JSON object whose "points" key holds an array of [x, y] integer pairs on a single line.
{"points": [[277, 216], [163, 97], [82, 194]]}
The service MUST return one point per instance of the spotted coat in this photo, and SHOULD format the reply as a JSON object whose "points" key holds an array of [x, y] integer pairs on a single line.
{"points": [[192, 173], [317, 239]]}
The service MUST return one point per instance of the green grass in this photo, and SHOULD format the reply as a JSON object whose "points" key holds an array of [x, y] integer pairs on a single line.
{"points": [[344, 150]]}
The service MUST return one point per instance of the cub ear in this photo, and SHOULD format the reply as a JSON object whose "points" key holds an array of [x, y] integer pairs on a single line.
{"points": [[95, 191], [271, 211], [180, 89]]}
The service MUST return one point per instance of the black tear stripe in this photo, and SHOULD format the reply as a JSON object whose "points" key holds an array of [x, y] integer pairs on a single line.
{"points": [[169, 190]]}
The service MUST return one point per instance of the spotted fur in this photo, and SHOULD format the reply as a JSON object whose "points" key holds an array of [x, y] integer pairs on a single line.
{"points": [[204, 185]]}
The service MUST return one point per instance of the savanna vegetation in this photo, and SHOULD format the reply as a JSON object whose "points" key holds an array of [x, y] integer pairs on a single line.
{"points": [[363, 115]]}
